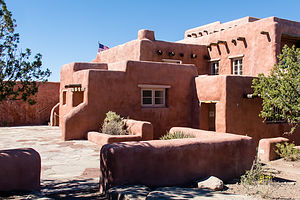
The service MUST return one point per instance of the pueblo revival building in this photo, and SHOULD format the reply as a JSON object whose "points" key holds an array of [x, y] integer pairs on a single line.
{"points": [[203, 81]]}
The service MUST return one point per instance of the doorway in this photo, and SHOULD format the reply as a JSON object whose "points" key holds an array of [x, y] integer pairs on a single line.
{"points": [[208, 116]]}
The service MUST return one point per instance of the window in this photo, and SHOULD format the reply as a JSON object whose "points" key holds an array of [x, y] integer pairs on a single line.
{"points": [[64, 97], [237, 66], [215, 68], [172, 61], [153, 95], [276, 118]]}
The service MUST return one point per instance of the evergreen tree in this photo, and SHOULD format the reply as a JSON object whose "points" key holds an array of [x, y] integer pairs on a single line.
{"points": [[18, 71], [280, 90]]}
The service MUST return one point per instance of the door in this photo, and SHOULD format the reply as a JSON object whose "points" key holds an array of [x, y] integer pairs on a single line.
{"points": [[208, 116]]}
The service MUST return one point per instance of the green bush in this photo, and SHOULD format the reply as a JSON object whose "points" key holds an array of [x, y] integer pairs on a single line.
{"points": [[175, 135], [113, 124], [287, 151], [256, 175]]}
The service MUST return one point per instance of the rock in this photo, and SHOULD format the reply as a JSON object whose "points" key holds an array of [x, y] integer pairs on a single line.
{"points": [[133, 192], [212, 183]]}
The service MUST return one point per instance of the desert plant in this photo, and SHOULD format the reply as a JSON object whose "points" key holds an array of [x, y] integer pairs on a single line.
{"points": [[287, 151], [256, 175], [176, 135], [113, 124]]}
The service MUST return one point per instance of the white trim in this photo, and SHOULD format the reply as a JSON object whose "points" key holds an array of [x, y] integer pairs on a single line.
{"points": [[236, 56], [153, 86], [214, 60], [172, 61]]}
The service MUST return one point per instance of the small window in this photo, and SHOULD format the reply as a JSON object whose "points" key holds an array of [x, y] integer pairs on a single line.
{"points": [[237, 65], [215, 68], [64, 96], [153, 97], [172, 61]]}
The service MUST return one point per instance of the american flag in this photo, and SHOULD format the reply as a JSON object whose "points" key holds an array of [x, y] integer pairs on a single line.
{"points": [[102, 47]]}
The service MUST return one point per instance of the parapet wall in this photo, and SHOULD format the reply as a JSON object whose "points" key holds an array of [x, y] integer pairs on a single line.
{"points": [[19, 113]]}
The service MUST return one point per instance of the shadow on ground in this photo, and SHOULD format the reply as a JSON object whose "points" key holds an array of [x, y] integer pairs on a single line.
{"points": [[57, 189]]}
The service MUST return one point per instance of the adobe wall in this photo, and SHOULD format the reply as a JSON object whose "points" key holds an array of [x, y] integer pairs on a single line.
{"points": [[242, 113], [158, 163], [258, 50], [116, 89], [20, 170], [146, 48], [17, 113], [234, 113]]}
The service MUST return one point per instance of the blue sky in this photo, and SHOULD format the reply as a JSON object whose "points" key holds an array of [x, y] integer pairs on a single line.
{"points": [[65, 31]]}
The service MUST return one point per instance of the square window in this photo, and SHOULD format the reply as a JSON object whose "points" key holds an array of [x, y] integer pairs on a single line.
{"points": [[153, 97]]}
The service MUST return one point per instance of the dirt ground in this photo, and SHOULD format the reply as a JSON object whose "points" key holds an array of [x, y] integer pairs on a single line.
{"points": [[285, 185]]}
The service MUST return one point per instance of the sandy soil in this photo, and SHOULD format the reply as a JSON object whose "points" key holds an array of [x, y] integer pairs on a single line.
{"points": [[285, 185]]}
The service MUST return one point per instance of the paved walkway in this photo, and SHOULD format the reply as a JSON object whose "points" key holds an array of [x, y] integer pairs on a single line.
{"points": [[69, 168]]}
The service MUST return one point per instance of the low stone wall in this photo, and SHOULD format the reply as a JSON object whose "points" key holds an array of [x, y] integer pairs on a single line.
{"points": [[266, 148], [20, 170], [19, 113], [138, 131], [175, 162]]}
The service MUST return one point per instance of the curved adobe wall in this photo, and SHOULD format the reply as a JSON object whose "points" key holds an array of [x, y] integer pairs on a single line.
{"points": [[175, 162], [20, 170]]}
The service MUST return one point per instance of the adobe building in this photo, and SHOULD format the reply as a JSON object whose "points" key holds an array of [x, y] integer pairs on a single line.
{"points": [[203, 81]]}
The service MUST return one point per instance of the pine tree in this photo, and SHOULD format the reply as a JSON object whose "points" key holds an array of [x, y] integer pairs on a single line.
{"points": [[19, 72]]}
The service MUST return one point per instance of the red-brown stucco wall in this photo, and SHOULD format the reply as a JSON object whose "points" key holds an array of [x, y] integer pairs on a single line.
{"points": [[17, 113], [258, 50], [236, 114], [116, 89]]}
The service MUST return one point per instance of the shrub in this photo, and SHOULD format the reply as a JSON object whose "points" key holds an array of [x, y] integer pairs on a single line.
{"points": [[175, 135], [113, 124], [287, 151], [256, 175]]}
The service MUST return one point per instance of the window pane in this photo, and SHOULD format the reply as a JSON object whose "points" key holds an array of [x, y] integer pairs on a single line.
{"points": [[147, 101], [147, 93], [159, 93], [216, 68], [159, 101]]}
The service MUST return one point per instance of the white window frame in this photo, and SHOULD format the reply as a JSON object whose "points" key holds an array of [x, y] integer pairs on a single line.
{"points": [[153, 89], [172, 61], [239, 66], [213, 67]]}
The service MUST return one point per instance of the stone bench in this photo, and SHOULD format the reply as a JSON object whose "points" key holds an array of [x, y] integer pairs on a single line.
{"points": [[159, 163], [138, 131], [266, 148], [20, 170]]}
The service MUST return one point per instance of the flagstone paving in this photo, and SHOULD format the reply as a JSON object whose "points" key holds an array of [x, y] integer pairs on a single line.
{"points": [[70, 169]]}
